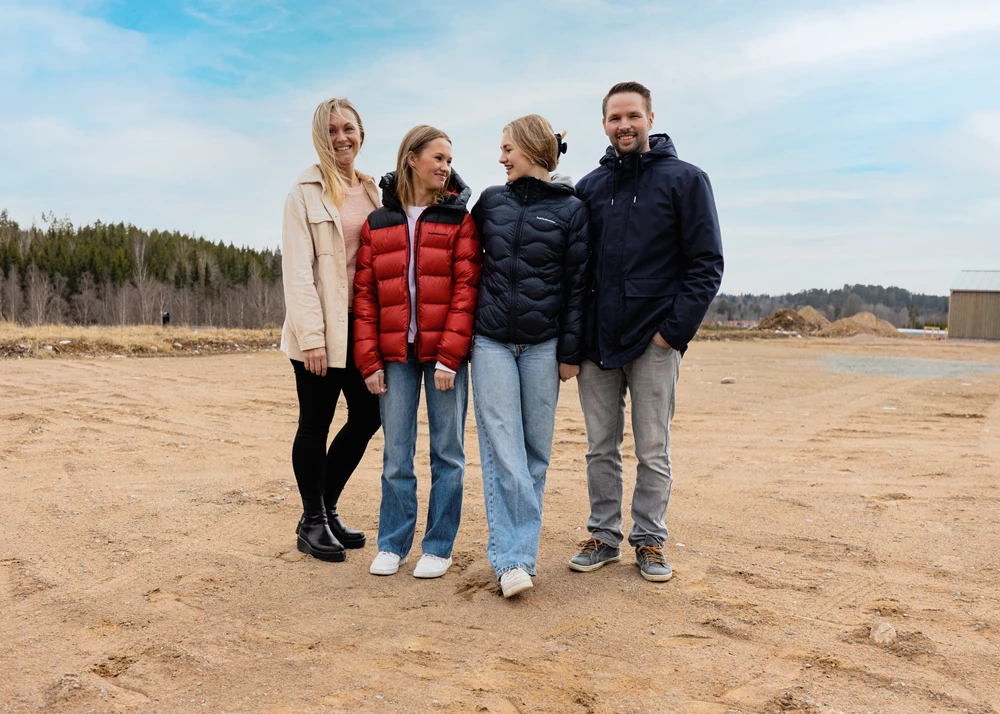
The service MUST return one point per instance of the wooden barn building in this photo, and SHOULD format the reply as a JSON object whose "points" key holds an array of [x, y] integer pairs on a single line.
{"points": [[974, 306]]}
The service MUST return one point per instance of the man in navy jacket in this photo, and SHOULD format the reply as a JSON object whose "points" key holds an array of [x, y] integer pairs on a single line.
{"points": [[657, 257]]}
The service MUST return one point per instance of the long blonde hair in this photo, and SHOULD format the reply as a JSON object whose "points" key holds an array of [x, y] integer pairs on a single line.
{"points": [[533, 135], [335, 183], [415, 141]]}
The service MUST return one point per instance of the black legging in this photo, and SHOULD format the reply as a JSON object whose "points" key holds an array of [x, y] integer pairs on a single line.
{"points": [[322, 475]]}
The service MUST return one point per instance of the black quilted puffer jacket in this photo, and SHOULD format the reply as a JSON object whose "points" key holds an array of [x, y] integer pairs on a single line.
{"points": [[535, 254]]}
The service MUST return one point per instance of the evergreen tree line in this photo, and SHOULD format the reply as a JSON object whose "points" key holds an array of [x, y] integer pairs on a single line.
{"points": [[117, 274], [896, 305]]}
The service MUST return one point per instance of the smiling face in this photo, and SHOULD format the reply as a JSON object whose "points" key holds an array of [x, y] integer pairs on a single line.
{"points": [[627, 123], [432, 166], [513, 159], [345, 137]]}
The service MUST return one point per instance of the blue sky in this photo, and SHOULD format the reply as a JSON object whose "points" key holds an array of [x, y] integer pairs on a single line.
{"points": [[847, 141]]}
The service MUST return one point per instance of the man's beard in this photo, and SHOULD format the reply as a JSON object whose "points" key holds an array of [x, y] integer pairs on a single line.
{"points": [[637, 144]]}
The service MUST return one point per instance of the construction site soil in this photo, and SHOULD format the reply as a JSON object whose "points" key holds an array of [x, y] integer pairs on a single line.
{"points": [[833, 532], [864, 323]]}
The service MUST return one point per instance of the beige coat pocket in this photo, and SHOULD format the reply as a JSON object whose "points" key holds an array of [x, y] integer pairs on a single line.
{"points": [[322, 228]]}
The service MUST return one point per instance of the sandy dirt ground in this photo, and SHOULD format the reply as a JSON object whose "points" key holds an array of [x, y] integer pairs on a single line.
{"points": [[148, 561]]}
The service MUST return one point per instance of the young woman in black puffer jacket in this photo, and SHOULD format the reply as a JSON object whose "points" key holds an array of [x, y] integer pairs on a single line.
{"points": [[528, 336]]}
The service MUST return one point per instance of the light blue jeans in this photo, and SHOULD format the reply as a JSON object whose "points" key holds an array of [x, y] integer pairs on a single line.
{"points": [[515, 388], [446, 413]]}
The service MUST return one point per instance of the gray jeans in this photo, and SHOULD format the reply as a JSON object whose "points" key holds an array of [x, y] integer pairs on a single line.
{"points": [[651, 380]]}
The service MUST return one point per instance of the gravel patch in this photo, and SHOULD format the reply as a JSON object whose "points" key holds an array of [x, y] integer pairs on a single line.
{"points": [[906, 367]]}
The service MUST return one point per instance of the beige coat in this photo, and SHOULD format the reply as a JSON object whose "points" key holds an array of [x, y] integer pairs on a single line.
{"points": [[314, 269]]}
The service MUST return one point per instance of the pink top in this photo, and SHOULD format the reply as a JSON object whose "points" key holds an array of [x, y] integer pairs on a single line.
{"points": [[353, 213]]}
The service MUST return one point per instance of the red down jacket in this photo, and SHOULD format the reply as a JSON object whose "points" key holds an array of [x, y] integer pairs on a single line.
{"points": [[448, 260]]}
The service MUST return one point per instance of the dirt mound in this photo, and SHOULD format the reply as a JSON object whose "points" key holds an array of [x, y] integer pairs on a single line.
{"points": [[18, 341], [784, 319], [814, 318], [864, 323]]}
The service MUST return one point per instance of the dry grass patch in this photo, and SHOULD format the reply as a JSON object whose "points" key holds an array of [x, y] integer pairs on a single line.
{"points": [[136, 340]]}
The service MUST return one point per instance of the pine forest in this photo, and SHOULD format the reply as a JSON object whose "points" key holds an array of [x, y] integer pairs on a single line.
{"points": [[117, 274]]}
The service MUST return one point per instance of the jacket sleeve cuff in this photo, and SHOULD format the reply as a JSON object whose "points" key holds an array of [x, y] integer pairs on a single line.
{"points": [[673, 339], [574, 358], [312, 343], [440, 365]]}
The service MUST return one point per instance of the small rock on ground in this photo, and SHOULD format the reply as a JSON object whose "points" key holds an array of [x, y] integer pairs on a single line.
{"points": [[883, 633]]}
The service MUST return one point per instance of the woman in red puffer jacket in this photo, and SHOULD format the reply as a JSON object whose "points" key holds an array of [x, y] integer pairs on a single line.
{"points": [[414, 303]]}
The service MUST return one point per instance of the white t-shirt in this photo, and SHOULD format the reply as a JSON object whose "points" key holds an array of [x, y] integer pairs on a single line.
{"points": [[412, 214]]}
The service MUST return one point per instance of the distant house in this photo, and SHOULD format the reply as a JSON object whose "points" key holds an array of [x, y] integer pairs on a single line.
{"points": [[974, 306]]}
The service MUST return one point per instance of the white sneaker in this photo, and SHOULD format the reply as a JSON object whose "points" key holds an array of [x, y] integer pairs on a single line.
{"points": [[431, 566], [514, 582], [386, 563]]}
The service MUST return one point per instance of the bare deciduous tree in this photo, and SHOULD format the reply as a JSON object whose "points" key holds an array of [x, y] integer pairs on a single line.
{"points": [[258, 296], [164, 298], [24, 240], [183, 302], [853, 305], [13, 296], [144, 282], [115, 303], [58, 311], [39, 295], [85, 300]]}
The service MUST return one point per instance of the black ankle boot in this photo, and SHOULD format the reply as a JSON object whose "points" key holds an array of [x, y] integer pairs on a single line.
{"points": [[316, 538], [348, 536]]}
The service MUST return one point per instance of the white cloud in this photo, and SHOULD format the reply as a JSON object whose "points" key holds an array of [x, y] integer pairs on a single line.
{"points": [[770, 197], [986, 126], [112, 129], [866, 30], [36, 37]]}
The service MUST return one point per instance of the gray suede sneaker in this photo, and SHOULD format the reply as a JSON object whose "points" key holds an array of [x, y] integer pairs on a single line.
{"points": [[649, 558], [594, 553]]}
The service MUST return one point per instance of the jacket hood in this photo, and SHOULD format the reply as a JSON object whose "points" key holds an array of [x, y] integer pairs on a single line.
{"points": [[528, 187], [457, 193], [661, 146], [562, 180]]}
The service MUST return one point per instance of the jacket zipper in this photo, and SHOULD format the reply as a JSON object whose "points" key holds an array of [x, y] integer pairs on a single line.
{"points": [[621, 252], [513, 271], [621, 264]]}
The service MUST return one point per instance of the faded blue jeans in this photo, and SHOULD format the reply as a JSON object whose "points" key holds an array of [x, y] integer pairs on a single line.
{"points": [[446, 413], [515, 388]]}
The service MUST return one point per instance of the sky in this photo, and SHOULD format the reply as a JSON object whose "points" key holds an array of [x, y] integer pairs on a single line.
{"points": [[847, 142]]}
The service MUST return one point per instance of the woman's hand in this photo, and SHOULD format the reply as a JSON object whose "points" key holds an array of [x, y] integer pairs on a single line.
{"points": [[315, 360], [376, 383], [568, 371], [444, 380]]}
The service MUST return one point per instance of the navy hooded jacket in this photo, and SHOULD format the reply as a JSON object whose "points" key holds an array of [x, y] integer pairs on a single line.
{"points": [[657, 252]]}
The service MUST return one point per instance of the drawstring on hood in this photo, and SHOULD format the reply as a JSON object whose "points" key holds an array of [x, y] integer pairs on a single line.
{"points": [[661, 146]]}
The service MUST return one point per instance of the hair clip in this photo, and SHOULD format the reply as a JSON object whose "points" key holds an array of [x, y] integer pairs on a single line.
{"points": [[560, 145]]}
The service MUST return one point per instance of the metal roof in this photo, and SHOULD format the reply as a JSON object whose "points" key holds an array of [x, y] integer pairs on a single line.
{"points": [[987, 281]]}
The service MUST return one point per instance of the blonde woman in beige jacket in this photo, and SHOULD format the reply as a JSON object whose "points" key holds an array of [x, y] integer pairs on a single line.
{"points": [[320, 235]]}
